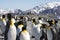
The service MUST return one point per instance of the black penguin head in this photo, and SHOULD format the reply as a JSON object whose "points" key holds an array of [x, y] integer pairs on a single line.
{"points": [[20, 22], [34, 20], [39, 18], [50, 22], [9, 16], [43, 25], [23, 28], [3, 16], [56, 21], [21, 17]]}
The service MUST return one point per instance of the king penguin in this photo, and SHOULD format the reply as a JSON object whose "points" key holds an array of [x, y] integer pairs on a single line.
{"points": [[37, 33], [53, 30], [24, 34], [19, 29], [10, 32], [49, 33], [3, 24]]}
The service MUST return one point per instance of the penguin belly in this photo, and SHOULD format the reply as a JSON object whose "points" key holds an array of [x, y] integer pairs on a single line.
{"points": [[24, 36], [2, 26], [49, 35], [12, 33], [29, 27], [37, 32]]}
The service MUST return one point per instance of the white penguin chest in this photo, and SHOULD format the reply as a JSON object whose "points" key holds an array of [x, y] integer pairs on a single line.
{"points": [[25, 36], [12, 33]]}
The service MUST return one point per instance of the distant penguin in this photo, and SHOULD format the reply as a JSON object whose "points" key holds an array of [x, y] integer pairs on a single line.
{"points": [[4, 20], [53, 29], [19, 29], [44, 34], [11, 35], [24, 34], [40, 20], [3, 24], [10, 32], [37, 33]]}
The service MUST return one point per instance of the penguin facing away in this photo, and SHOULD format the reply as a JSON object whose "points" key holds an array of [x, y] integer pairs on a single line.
{"points": [[11, 35], [24, 34]]}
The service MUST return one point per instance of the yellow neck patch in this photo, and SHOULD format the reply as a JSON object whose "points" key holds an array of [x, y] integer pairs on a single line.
{"points": [[53, 22], [3, 19], [12, 24], [33, 22], [48, 27], [24, 31], [21, 25]]}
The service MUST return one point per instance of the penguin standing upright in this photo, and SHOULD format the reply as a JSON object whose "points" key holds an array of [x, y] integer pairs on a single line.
{"points": [[37, 33], [3, 24], [24, 34], [10, 32], [49, 33], [53, 30], [19, 29], [4, 20], [44, 34]]}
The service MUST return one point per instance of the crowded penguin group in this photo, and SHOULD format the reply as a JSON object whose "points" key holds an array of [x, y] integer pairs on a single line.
{"points": [[28, 29]]}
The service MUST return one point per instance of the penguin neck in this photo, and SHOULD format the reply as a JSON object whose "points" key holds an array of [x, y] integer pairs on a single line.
{"points": [[12, 24], [33, 23], [53, 22], [40, 21], [48, 27], [21, 25], [3, 19], [24, 31]]}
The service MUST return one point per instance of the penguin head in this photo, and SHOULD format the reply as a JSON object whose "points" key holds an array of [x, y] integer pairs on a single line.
{"points": [[24, 29], [20, 24], [39, 18], [12, 21], [53, 22], [56, 21], [34, 21], [50, 22], [3, 16], [9, 16], [43, 26], [21, 17]]}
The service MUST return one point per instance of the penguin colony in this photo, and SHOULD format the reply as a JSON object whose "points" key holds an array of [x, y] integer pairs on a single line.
{"points": [[39, 29]]}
